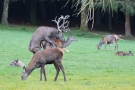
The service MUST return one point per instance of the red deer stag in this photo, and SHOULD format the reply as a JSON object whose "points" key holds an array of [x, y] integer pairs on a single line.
{"points": [[45, 33], [109, 39], [121, 53], [41, 58], [59, 43]]}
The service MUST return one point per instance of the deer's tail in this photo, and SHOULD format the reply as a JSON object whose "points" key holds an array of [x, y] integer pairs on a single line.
{"points": [[118, 37], [64, 49]]}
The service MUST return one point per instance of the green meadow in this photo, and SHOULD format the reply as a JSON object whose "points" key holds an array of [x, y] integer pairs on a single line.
{"points": [[86, 67]]}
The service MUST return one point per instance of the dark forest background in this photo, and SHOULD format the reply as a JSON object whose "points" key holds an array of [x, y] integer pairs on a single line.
{"points": [[20, 12]]}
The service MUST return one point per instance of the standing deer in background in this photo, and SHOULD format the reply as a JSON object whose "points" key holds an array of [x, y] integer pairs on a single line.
{"points": [[41, 58], [45, 33], [17, 62], [109, 39], [59, 43], [121, 53]]}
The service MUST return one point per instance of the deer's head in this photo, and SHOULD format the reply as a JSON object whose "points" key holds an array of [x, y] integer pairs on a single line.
{"points": [[60, 36], [14, 63], [131, 54], [72, 38], [24, 74]]}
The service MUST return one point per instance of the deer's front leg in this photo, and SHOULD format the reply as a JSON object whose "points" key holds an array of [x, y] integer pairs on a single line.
{"points": [[50, 41]]}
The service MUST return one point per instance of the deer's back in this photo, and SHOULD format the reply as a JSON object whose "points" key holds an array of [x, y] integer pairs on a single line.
{"points": [[42, 32], [39, 35], [49, 55], [109, 38], [119, 53], [57, 42]]}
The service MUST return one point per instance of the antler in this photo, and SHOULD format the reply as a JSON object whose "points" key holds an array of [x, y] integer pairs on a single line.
{"points": [[57, 22], [65, 24], [64, 27]]}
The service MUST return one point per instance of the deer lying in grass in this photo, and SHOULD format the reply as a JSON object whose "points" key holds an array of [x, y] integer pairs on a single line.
{"points": [[109, 39], [17, 63], [41, 58], [121, 53], [45, 33], [59, 43]]}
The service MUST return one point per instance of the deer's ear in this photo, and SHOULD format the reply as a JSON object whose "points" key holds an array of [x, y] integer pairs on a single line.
{"points": [[130, 51]]}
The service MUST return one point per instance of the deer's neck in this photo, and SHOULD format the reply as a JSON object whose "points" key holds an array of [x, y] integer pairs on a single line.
{"points": [[29, 70], [100, 43], [66, 43], [31, 66]]}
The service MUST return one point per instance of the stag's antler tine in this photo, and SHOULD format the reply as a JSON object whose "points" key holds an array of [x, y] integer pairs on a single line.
{"points": [[67, 16], [64, 24], [62, 16], [55, 20]]}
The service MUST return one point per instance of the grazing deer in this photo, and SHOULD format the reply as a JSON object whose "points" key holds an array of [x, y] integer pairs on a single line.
{"points": [[45, 33], [121, 53], [109, 39], [17, 63], [59, 43], [41, 58]]}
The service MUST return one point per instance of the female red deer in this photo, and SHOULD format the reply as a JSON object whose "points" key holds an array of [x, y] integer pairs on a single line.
{"points": [[121, 53], [59, 43], [107, 40]]}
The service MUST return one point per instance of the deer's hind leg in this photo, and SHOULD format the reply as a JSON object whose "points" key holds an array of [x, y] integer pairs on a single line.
{"points": [[62, 69], [116, 45], [110, 46]]}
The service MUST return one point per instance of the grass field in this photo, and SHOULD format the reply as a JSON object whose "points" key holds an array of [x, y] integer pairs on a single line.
{"points": [[86, 67]]}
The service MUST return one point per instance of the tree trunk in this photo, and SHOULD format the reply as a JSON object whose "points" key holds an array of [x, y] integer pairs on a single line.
{"points": [[110, 22], [5, 13], [97, 18], [55, 9], [42, 10], [50, 9], [127, 26], [84, 25], [33, 12], [116, 15]]}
